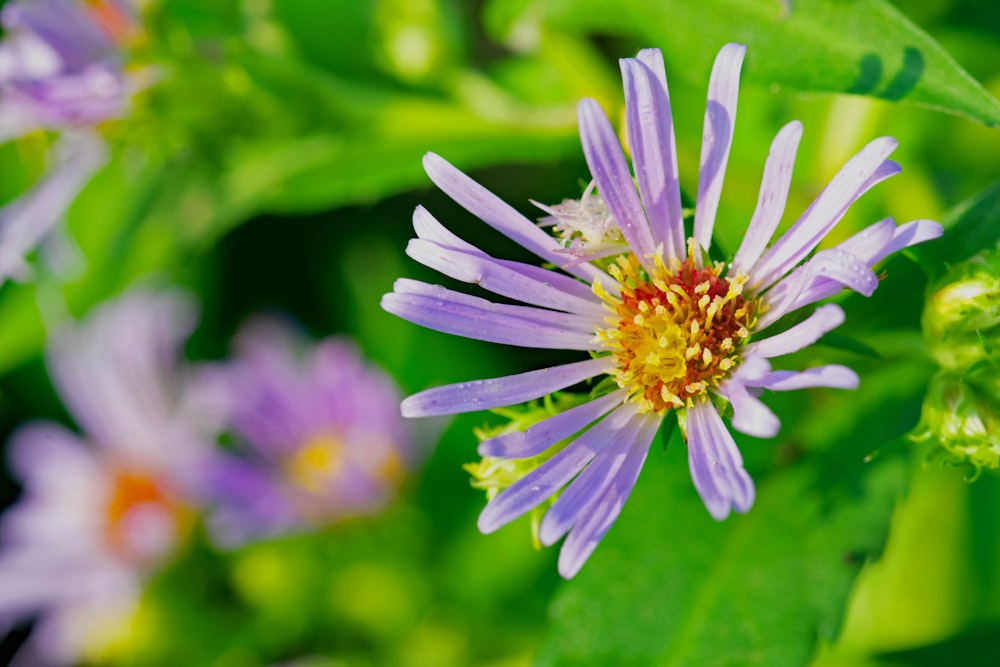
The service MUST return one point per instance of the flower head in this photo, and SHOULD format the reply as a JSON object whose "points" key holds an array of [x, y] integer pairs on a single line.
{"points": [[672, 328], [103, 509], [319, 429], [61, 63]]}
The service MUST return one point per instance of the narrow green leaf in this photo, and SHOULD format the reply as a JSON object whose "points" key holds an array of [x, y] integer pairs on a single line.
{"points": [[970, 227], [862, 47]]}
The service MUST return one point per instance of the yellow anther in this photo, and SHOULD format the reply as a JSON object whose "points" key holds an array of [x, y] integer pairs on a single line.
{"points": [[666, 319]]}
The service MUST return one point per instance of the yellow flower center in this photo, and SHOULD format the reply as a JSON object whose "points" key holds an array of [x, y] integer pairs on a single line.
{"points": [[317, 462], [674, 334]]}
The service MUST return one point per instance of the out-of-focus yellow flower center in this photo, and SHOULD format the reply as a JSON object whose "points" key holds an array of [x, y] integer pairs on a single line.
{"points": [[674, 334], [315, 463]]}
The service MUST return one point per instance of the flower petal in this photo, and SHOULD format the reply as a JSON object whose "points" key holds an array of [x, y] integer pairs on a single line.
{"points": [[803, 334], [773, 195], [750, 415], [27, 220], [116, 373], [868, 167], [653, 59], [568, 321], [654, 153], [614, 181], [500, 392], [544, 434], [489, 274], [539, 484], [429, 229], [498, 214], [715, 462], [908, 234], [589, 484], [833, 375], [485, 324], [827, 266], [717, 137], [602, 512]]}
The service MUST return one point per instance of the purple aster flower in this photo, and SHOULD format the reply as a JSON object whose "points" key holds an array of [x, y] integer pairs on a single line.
{"points": [[320, 429], [102, 509], [61, 63], [674, 330]]}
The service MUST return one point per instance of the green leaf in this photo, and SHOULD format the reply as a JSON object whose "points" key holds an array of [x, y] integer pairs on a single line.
{"points": [[862, 47], [970, 227], [670, 587]]}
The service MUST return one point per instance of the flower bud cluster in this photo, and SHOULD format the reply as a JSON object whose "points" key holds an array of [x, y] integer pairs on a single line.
{"points": [[961, 324]]}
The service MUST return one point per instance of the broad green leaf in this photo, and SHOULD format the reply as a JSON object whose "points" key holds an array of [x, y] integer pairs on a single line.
{"points": [[862, 47], [670, 587], [970, 227]]}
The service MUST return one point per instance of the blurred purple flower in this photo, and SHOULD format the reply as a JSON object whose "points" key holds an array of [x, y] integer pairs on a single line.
{"points": [[672, 329], [62, 68], [28, 221], [103, 509], [61, 63], [320, 429]]}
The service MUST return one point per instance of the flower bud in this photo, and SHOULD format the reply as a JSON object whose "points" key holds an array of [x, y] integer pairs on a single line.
{"points": [[961, 320], [963, 416]]}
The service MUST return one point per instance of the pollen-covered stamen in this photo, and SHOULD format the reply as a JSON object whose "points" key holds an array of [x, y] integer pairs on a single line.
{"points": [[674, 334], [585, 226]]}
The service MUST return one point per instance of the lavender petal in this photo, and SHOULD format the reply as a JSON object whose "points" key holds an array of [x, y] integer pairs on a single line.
{"points": [[539, 484], [544, 434], [717, 137], [833, 375], [482, 270], [868, 167], [773, 195], [499, 392], [485, 324], [614, 181], [803, 334], [589, 484], [602, 512], [654, 153], [498, 214], [829, 266], [716, 464]]}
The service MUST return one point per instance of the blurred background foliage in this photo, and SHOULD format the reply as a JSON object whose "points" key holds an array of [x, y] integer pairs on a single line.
{"points": [[274, 166]]}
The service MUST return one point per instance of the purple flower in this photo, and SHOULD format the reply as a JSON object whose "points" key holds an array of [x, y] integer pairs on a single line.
{"points": [[61, 64], [320, 429], [103, 509], [672, 329]]}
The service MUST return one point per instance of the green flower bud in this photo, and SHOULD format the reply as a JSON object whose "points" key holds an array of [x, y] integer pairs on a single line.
{"points": [[961, 319], [963, 416]]}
